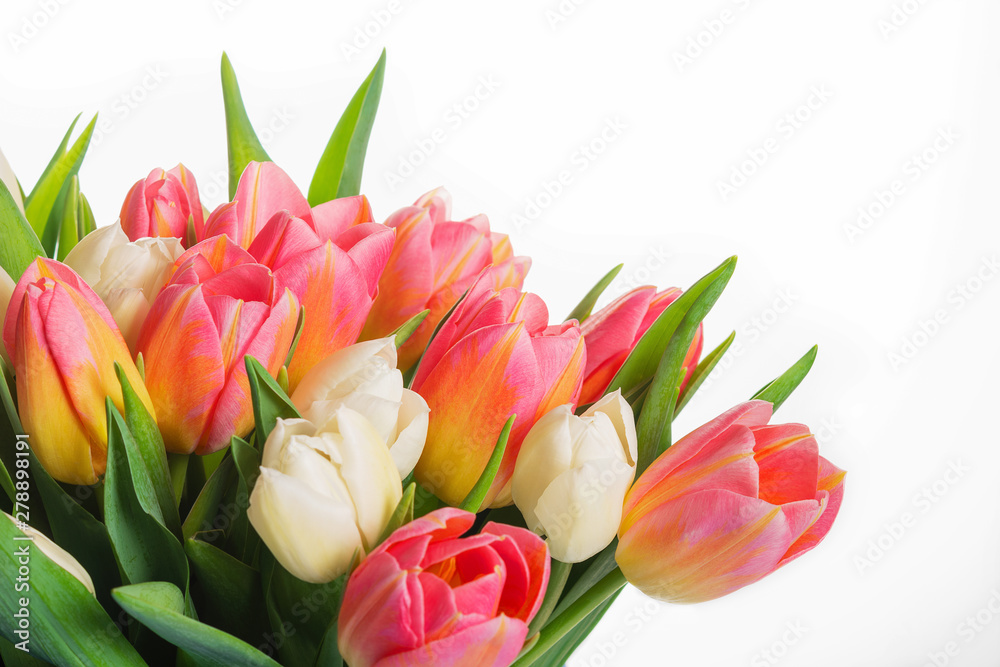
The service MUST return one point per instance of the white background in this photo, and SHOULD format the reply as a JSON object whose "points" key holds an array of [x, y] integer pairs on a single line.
{"points": [[871, 595]]}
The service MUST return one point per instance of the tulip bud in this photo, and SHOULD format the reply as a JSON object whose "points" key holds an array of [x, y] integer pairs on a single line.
{"points": [[219, 306], [573, 473], [323, 493], [126, 275], [494, 357], [427, 597], [64, 345], [612, 332], [364, 377], [56, 554], [727, 505], [162, 205], [433, 262]]}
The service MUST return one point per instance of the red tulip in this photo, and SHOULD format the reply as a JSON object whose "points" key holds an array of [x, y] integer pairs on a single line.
{"points": [[495, 356], [433, 262], [219, 306], [427, 596], [612, 332], [727, 505], [162, 205]]}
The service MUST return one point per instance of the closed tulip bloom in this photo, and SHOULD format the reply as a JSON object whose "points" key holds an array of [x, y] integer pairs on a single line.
{"points": [[56, 554], [64, 343], [727, 505], [127, 275], [572, 475], [162, 204], [612, 332], [324, 492], [331, 263], [434, 261], [364, 377], [427, 597], [494, 357], [219, 306]]}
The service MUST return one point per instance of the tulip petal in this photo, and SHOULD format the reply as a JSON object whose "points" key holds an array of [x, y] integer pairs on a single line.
{"points": [[369, 245], [527, 560], [831, 489], [263, 190], [333, 218], [494, 643], [788, 458], [282, 238]]}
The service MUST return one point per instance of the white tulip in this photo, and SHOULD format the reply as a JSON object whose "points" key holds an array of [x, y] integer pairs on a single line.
{"points": [[56, 554], [364, 378], [10, 180], [572, 474], [127, 275], [323, 493]]}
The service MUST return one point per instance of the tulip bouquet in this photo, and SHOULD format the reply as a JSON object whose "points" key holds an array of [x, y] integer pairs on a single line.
{"points": [[280, 432]]}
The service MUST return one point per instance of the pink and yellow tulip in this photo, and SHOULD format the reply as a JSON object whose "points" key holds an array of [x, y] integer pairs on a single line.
{"points": [[219, 306], [612, 332], [64, 343], [727, 505], [433, 262], [427, 596], [162, 205], [494, 357]]}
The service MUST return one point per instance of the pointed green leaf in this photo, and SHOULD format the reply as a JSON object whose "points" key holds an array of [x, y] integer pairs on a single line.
{"points": [[233, 600], [586, 305], [406, 329], [19, 246], [474, 500], [160, 607], [269, 401], [244, 146], [685, 316], [243, 540], [40, 186], [782, 387], [87, 223], [339, 171], [402, 515], [204, 519], [703, 370], [67, 624], [299, 324], [69, 230], [412, 373]]}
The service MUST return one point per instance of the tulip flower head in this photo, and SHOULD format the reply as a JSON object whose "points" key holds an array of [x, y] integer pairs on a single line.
{"points": [[64, 344], [165, 203], [324, 492], [727, 505], [429, 597], [494, 357], [219, 306], [364, 378], [434, 261], [572, 475], [612, 332]]}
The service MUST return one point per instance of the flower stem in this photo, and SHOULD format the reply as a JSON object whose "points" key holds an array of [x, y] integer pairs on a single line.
{"points": [[557, 628], [557, 582]]}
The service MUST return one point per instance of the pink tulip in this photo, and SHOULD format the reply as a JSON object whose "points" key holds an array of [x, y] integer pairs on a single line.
{"points": [[162, 205], [433, 262], [612, 332], [219, 306], [427, 596], [331, 261], [495, 356], [727, 505], [64, 345]]}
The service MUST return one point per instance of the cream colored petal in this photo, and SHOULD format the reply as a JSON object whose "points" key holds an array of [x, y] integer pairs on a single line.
{"points": [[408, 444], [87, 257], [10, 180], [57, 555]]}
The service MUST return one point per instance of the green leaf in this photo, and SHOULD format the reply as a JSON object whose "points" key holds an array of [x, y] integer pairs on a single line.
{"points": [[412, 373], [44, 205], [12, 657], [159, 606], [67, 624], [269, 401], [148, 461], [204, 514], [585, 576], [339, 171], [69, 229], [559, 654], [474, 500], [681, 319], [19, 245], [299, 324], [402, 515], [243, 539], [703, 370], [558, 576], [244, 146], [86, 220], [586, 305], [146, 550], [406, 329], [782, 387], [233, 600], [40, 186]]}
